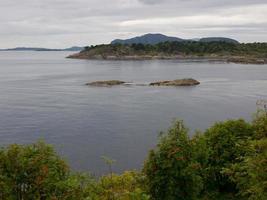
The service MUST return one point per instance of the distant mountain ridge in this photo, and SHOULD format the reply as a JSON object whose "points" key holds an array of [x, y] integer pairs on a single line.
{"points": [[148, 39], [156, 38], [74, 48]]}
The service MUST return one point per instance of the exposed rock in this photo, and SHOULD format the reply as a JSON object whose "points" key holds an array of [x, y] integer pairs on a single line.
{"points": [[243, 60], [108, 83], [178, 82]]}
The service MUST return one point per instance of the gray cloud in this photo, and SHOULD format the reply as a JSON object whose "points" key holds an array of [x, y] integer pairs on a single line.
{"points": [[60, 23], [151, 1]]}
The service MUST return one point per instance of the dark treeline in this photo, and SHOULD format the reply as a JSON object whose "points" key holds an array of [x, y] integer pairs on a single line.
{"points": [[185, 48], [226, 161]]}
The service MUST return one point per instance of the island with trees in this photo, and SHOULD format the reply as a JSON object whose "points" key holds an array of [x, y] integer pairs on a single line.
{"points": [[254, 53], [158, 46]]}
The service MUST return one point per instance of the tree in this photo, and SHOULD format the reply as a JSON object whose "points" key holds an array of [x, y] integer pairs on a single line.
{"points": [[36, 172], [171, 169], [260, 124], [226, 142], [250, 174]]}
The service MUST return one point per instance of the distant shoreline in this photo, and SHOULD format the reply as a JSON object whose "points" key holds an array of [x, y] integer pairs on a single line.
{"points": [[230, 59], [41, 49]]}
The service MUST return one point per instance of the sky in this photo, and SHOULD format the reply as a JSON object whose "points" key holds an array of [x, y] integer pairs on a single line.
{"points": [[65, 23]]}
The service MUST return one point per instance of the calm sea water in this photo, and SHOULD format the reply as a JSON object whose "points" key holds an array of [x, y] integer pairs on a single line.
{"points": [[43, 96]]}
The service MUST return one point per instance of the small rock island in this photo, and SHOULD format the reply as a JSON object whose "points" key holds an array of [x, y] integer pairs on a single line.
{"points": [[177, 82], [107, 83]]}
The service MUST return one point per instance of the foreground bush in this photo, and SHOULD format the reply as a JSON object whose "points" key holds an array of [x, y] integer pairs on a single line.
{"points": [[127, 186], [226, 142], [250, 173], [227, 161], [36, 172], [172, 170]]}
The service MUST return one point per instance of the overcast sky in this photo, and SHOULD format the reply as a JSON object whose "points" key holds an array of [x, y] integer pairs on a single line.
{"points": [[63, 23]]}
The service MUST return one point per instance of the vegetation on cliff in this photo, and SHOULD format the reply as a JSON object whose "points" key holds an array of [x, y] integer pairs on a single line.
{"points": [[227, 161], [175, 50]]}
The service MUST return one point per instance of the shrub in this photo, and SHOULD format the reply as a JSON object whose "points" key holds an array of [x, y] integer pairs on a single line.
{"points": [[227, 161], [260, 125], [171, 169], [226, 142], [250, 175], [127, 186], [36, 172]]}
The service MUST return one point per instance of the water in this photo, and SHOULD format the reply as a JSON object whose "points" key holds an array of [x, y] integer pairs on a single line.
{"points": [[43, 96]]}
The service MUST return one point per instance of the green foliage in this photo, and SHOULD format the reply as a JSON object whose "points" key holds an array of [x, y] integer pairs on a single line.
{"points": [[226, 142], [260, 125], [127, 186], [36, 172], [250, 173], [227, 161], [172, 171], [194, 48]]}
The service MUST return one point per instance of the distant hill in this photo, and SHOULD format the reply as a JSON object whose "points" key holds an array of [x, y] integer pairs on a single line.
{"points": [[158, 38], [42, 49], [218, 39], [147, 39]]}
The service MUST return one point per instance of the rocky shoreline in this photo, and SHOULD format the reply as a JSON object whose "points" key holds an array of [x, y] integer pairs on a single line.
{"points": [[128, 57], [243, 60], [230, 59]]}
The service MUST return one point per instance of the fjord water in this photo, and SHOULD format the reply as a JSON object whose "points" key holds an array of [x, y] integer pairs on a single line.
{"points": [[43, 96]]}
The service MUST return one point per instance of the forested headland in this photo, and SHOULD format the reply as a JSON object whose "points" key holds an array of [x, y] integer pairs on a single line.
{"points": [[233, 52]]}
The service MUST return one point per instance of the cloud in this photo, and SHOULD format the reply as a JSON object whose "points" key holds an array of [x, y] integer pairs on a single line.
{"points": [[235, 17], [60, 23], [151, 1]]}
